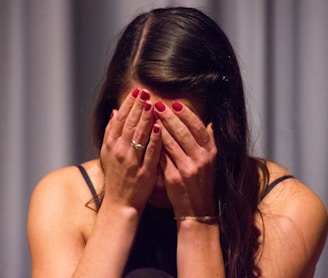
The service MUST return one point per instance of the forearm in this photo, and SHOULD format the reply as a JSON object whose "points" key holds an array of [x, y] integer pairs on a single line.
{"points": [[199, 252], [107, 249]]}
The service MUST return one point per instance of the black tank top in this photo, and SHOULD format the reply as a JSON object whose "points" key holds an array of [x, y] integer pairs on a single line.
{"points": [[156, 237]]}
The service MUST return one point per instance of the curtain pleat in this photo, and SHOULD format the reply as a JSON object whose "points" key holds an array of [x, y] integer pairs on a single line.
{"points": [[36, 114]]}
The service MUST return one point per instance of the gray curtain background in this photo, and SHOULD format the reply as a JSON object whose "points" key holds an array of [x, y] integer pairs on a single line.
{"points": [[53, 54]]}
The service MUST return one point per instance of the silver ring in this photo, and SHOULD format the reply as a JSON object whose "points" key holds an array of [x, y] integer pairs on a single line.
{"points": [[136, 145]]}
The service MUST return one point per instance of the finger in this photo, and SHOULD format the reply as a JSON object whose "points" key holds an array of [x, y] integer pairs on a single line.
{"points": [[110, 123], [153, 150], [134, 115], [211, 142], [172, 179], [118, 122], [169, 168], [143, 129], [193, 122], [172, 147], [176, 128]]}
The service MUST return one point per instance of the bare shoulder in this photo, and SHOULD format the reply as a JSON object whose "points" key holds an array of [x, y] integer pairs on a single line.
{"points": [[58, 187], [67, 185], [63, 193], [58, 218], [295, 222], [290, 192], [57, 183]]}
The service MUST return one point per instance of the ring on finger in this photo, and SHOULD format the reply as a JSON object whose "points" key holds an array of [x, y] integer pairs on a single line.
{"points": [[137, 146]]}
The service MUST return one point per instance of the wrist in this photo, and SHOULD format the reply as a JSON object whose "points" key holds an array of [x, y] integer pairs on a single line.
{"points": [[122, 206], [199, 242], [118, 214], [194, 227], [207, 219]]}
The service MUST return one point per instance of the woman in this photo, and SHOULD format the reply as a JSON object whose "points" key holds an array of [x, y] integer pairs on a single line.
{"points": [[175, 189]]}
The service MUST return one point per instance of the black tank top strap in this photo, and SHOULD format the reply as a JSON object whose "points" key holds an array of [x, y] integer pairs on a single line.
{"points": [[275, 182], [90, 185]]}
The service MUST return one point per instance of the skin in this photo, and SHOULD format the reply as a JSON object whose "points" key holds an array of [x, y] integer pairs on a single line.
{"points": [[65, 237]]}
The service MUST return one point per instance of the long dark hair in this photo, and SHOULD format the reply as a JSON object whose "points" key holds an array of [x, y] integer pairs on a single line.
{"points": [[176, 51]]}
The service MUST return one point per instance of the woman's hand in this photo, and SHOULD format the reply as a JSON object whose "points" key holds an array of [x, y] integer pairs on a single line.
{"points": [[188, 160], [130, 173]]}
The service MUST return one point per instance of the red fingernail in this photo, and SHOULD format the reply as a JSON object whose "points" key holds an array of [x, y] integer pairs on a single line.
{"points": [[177, 106], [111, 115], [135, 92], [147, 106], [144, 95], [160, 106], [156, 128]]}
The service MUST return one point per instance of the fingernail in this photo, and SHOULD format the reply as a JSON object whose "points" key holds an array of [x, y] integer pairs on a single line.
{"points": [[111, 115], [135, 92], [144, 95], [147, 106], [156, 128], [160, 106], [177, 106]]}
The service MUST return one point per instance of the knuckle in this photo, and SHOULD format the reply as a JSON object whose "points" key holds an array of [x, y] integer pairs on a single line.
{"points": [[120, 117], [151, 151], [182, 133], [130, 124], [118, 152], [214, 151], [139, 134], [189, 170], [107, 144], [201, 158], [205, 139], [174, 179], [199, 127], [111, 149], [202, 162], [170, 144]]}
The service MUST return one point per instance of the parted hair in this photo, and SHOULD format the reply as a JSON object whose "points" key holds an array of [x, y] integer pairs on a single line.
{"points": [[181, 52]]}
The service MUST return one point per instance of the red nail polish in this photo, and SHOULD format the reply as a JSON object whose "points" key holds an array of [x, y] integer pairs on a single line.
{"points": [[135, 92], [156, 128], [147, 106], [144, 95], [160, 106], [111, 115], [177, 106]]}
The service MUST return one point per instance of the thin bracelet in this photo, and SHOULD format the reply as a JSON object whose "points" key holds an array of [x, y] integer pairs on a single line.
{"points": [[204, 219]]}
